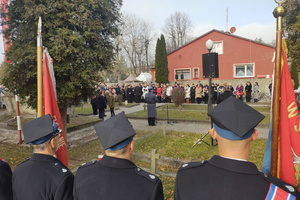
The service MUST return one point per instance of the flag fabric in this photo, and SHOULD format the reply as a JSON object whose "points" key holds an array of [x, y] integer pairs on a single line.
{"points": [[51, 107], [289, 130], [275, 193], [6, 44], [266, 167]]}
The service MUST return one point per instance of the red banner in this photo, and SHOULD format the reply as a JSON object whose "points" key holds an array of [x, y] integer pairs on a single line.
{"points": [[6, 44], [288, 129], [51, 107]]}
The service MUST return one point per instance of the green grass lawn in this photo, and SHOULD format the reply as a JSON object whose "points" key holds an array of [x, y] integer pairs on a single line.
{"points": [[183, 115], [179, 145], [260, 108]]}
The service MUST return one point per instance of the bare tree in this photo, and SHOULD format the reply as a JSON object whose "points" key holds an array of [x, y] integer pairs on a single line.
{"points": [[136, 38], [177, 28]]}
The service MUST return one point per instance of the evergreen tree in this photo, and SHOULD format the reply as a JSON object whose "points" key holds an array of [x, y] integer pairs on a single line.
{"points": [[161, 61], [78, 35], [294, 74], [292, 29]]}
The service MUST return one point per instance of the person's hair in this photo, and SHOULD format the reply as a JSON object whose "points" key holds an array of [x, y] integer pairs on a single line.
{"points": [[256, 83], [227, 88], [41, 147], [120, 151]]}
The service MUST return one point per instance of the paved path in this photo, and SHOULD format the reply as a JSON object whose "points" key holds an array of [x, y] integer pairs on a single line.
{"points": [[194, 127]]}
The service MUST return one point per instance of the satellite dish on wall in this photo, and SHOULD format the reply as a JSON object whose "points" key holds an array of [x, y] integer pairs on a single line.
{"points": [[232, 30]]}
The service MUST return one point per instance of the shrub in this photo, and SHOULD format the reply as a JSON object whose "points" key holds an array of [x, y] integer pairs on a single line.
{"points": [[119, 99], [178, 96]]}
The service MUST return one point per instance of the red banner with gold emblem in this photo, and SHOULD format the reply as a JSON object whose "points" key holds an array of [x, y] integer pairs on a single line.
{"points": [[289, 130], [51, 107]]}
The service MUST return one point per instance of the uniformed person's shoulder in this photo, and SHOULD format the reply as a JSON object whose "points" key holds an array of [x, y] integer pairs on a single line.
{"points": [[281, 184], [61, 169], [3, 163], [88, 164], [146, 175], [192, 165], [23, 162]]}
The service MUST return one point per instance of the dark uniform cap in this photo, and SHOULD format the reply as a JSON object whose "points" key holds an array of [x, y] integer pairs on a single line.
{"points": [[236, 117], [113, 131], [39, 130]]}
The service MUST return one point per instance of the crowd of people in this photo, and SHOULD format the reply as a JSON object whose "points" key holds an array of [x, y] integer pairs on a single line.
{"points": [[198, 93]]}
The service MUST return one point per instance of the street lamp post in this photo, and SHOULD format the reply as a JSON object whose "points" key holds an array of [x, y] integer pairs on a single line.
{"points": [[209, 45], [209, 63]]}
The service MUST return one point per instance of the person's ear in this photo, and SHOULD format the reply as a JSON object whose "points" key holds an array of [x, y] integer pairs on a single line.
{"points": [[131, 145], [213, 133], [52, 143], [254, 135]]}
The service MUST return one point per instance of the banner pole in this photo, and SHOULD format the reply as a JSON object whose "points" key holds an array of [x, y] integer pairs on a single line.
{"points": [[39, 69], [278, 13]]}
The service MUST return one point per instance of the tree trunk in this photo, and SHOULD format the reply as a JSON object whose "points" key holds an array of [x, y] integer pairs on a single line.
{"points": [[63, 115]]}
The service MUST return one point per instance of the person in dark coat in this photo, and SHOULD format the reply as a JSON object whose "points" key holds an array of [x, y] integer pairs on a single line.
{"points": [[5, 181], [42, 176], [137, 93], [193, 93], [115, 176], [122, 92], [101, 105], [230, 176], [248, 90], [94, 105], [227, 93], [206, 89], [214, 93], [151, 100], [129, 94]]}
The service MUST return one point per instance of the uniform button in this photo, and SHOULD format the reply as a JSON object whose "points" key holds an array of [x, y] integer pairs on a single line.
{"points": [[56, 164], [184, 165], [266, 175], [138, 169]]}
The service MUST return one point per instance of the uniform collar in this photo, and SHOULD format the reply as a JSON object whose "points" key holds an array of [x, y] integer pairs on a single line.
{"points": [[116, 162], [234, 165], [43, 157]]}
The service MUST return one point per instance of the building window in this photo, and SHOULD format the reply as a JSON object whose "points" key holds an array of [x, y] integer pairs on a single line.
{"points": [[183, 74], [217, 48], [244, 70], [196, 72]]}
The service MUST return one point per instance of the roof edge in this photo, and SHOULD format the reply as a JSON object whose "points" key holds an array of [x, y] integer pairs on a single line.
{"points": [[222, 32]]}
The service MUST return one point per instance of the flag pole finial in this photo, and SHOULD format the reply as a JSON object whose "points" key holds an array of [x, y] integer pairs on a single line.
{"points": [[279, 11]]}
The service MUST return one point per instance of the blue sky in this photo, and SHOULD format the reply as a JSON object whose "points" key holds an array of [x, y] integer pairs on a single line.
{"points": [[252, 18]]}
